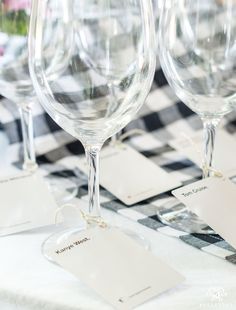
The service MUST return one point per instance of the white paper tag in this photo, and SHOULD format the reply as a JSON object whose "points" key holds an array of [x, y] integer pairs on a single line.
{"points": [[115, 266], [26, 203], [130, 176], [224, 153], [214, 200]]}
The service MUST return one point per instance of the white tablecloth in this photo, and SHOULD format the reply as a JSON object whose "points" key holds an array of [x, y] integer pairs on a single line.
{"points": [[28, 281]]}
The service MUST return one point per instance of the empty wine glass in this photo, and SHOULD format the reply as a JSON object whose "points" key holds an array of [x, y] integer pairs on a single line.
{"points": [[197, 40], [106, 82], [15, 81]]}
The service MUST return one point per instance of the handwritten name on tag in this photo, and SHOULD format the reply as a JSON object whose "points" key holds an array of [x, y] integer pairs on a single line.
{"points": [[213, 200], [26, 203], [115, 266]]}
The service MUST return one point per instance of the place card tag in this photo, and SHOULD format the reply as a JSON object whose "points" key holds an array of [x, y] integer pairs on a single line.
{"points": [[116, 267], [129, 175], [224, 153], [26, 203], [214, 201]]}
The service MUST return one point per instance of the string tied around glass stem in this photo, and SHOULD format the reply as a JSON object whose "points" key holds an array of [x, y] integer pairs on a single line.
{"points": [[205, 168], [89, 219], [134, 132]]}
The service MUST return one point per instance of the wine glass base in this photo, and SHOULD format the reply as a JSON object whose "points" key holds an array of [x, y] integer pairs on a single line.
{"points": [[57, 238], [177, 216], [141, 240], [60, 237]]}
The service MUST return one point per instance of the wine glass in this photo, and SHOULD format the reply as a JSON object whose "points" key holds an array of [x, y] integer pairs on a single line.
{"points": [[14, 84], [15, 81], [107, 79], [197, 49]]}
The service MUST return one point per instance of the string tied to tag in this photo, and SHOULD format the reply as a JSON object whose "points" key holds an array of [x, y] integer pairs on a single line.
{"points": [[214, 172], [90, 220], [61, 208], [205, 168]]}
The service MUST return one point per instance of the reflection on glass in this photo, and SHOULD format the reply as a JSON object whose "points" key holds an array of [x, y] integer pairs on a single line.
{"points": [[107, 79], [198, 51]]}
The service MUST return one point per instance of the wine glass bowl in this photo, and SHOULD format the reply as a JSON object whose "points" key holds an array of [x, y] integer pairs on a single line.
{"points": [[103, 90], [198, 54], [15, 80], [107, 78], [197, 51]]}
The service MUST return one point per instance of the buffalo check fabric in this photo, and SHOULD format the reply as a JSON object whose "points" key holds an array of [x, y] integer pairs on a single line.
{"points": [[162, 118]]}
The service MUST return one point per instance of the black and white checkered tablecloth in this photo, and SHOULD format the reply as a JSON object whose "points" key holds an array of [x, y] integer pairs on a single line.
{"points": [[163, 118]]}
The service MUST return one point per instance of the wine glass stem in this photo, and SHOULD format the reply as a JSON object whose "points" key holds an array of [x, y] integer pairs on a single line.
{"points": [[92, 154], [209, 126], [28, 138]]}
